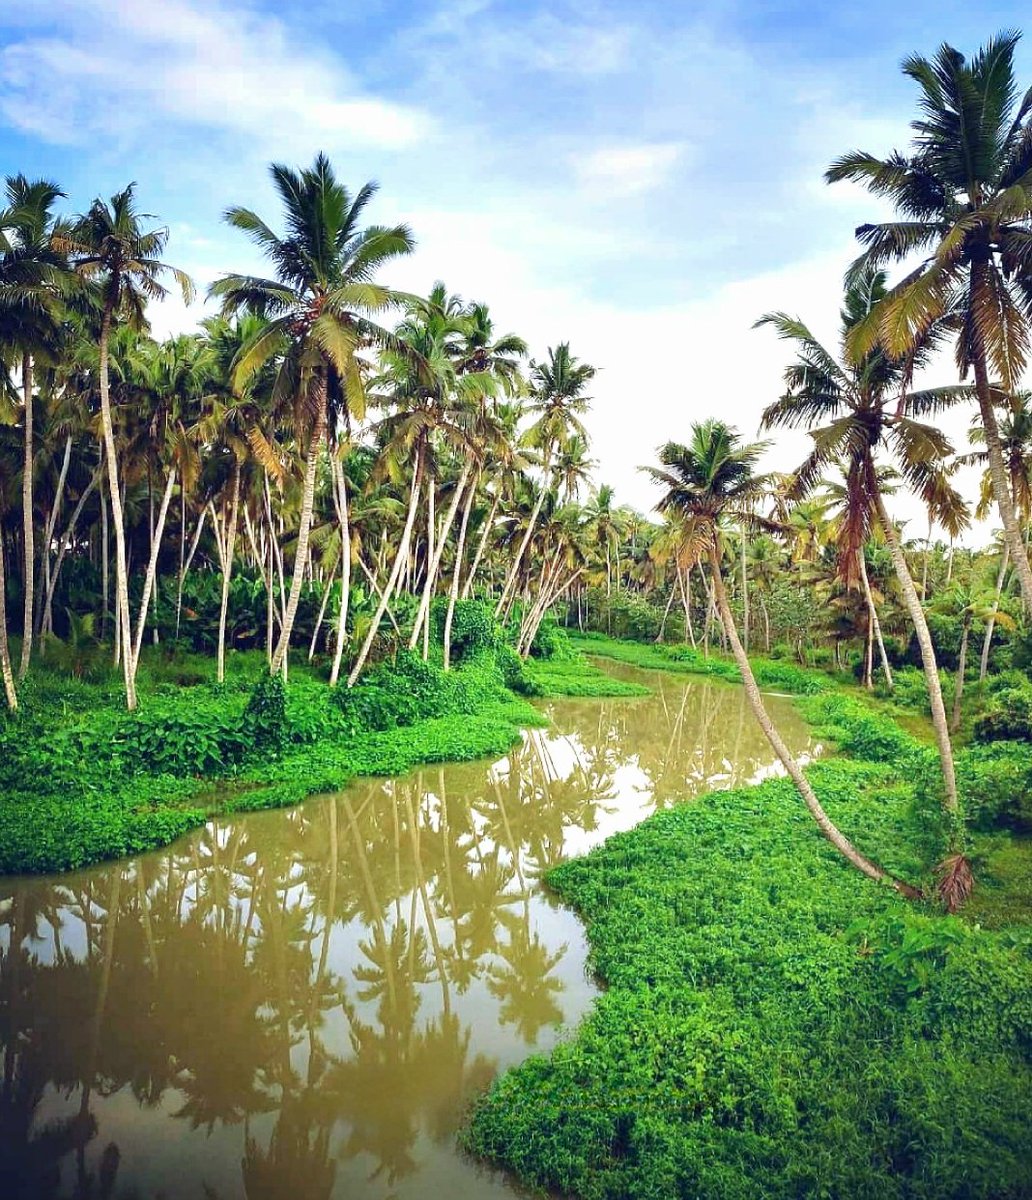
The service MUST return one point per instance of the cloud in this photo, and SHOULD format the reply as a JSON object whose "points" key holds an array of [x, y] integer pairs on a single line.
{"points": [[627, 170], [118, 67]]}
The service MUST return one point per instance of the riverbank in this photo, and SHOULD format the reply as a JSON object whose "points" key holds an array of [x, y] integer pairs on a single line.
{"points": [[82, 781], [771, 1021]]}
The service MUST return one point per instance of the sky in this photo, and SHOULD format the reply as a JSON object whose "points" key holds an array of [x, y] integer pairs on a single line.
{"points": [[641, 180]]}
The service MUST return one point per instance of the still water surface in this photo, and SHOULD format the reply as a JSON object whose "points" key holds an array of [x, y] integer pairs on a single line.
{"points": [[300, 1004]]}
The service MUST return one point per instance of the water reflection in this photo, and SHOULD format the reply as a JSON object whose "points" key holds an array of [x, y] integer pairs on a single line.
{"points": [[301, 1003]]}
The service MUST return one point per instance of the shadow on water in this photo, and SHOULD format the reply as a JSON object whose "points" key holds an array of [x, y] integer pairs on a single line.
{"points": [[300, 1004]]}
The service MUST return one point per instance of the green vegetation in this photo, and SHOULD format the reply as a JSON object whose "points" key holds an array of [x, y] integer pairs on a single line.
{"points": [[769, 1015]]}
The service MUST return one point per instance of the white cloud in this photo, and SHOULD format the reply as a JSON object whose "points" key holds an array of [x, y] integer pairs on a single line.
{"points": [[627, 169], [123, 66]]}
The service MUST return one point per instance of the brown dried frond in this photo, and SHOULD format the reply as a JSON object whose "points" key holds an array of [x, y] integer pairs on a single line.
{"points": [[955, 881]]}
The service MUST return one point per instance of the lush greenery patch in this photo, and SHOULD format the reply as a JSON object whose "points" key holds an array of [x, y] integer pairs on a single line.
{"points": [[774, 1024]]}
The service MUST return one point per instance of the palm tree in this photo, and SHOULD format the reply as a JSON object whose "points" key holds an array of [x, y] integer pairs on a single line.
{"points": [[559, 402], [318, 308], [851, 409], [708, 482], [964, 199], [122, 262], [32, 277]]}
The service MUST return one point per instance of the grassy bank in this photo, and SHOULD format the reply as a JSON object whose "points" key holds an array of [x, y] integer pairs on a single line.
{"points": [[772, 1023], [82, 780]]}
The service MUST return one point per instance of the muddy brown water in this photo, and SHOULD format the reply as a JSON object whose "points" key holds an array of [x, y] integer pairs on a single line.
{"points": [[301, 1004]]}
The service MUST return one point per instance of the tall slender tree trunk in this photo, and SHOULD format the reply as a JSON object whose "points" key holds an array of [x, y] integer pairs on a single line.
{"points": [[745, 594], [434, 566], [788, 761], [28, 532], [872, 608], [344, 518], [485, 533], [117, 518], [460, 550], [997, 466], [66, 541], [323, 605], [152, 572], [513, 572], [105, 568], [958, 691], [43, 582], [10, 692], [868, 654], [304, 529], [666, 614], [399, 559], [990, 625], [931, 670], [184, 567], [227, 572]]}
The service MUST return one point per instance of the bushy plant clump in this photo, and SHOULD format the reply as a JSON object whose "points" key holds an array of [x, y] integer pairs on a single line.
{"points": [[1007, 713], [771, 1022]]}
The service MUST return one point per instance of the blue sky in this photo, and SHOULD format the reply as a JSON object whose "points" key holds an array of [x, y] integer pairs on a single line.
{"points": [[643, 180]]}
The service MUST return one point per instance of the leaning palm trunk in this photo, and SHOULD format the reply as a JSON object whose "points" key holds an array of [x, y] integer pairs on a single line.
{"points": [[460, 550], [958, 693], [43, 582], [983, 666], [10, 693], [184, 567], [323, 605], [304, 529], [133, 649], [997, 466], [876, 624], [66, 542], [341, 498], [788, 761], [666, 615], [434, 564], [931, 672], [122, 619], [485, 533], [399, 560], [28, 532], [510, 579], [227, 570]]}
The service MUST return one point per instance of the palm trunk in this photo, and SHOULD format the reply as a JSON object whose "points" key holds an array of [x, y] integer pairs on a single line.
{"points": [[399, 558], [344, 517], [485, 533], [304, 529], [28, 533], [666, 614], [868, 654], [795, 772], [931, 671], [117, 518], [983, 666], [10, 693], [958, 692], [66, 541], [997, 466], [48, 536], [434, 565], [460, 549], [105, 569], [152, 572], [184, 567], [227, 571], [323, 605], [745, 595], [873, 611], [510, 579]]}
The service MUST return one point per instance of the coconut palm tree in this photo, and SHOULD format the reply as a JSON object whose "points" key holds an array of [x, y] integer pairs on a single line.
{"points": [[559, 401], [121, 262], [854, 410], [963, 196], [707, 483], [33, 274], [318, 307]]}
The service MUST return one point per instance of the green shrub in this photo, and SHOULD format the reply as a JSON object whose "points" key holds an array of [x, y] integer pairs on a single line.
{"points": [[1008, 712], [265, 717]]}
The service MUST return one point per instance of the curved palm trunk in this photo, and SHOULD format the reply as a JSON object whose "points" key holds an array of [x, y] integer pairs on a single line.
{"points": [[343, 516], [43, 582], [28, 533], [227, 571], [117, 518], [666, 615], [873, 610], [152, 571], [323, 605], [304, 529], [434, 564], [983, 666], [510, 579], [66, 541], [399, 559], [931, 671], [184, 567], [10, 692], [958, 693], [997, 466], [467, 587], [460, 550], [841, 843]]}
